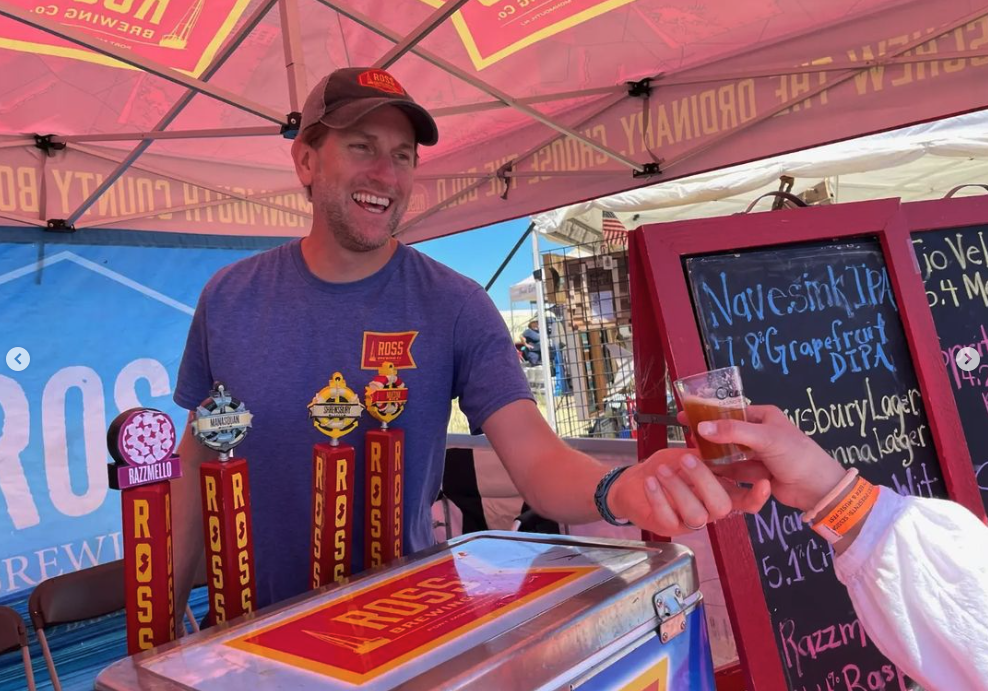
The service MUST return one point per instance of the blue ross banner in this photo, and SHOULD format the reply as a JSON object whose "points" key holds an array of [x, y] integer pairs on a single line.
{"points": [[102, 328]]}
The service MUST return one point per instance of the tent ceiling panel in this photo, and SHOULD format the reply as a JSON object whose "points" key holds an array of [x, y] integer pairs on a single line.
{"points": [[732, 81]]}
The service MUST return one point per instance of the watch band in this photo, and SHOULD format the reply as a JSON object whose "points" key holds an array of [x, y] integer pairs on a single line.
{"points": [[600, 495]]}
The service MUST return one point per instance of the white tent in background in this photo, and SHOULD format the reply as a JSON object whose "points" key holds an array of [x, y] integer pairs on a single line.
{"points": [[920, 162], [523, 291]]}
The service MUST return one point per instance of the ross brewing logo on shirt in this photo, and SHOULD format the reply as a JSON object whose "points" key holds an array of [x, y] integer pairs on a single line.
{"points": [[392, 348]]}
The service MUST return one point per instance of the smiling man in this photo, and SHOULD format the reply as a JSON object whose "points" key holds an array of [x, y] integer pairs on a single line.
{"points": [[276, 326]]}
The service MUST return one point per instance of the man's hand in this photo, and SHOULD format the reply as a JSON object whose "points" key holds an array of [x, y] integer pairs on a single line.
{"points": [[673, 492], [801, 473]]}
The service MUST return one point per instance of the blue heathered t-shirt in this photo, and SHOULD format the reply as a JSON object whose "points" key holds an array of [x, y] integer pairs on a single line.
{"points": [[274, 333]]}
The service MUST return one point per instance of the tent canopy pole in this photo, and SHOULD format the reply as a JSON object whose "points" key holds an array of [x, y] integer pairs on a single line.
{"points": [[511, 254], [130, 58], [544, 353], [800, 98], [294, 57], [440, 15], [225, 53], [481, 85], [431, 211], [165, 134]]}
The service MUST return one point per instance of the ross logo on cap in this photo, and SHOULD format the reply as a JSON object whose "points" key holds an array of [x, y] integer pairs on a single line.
{"points": [[382, 81]]}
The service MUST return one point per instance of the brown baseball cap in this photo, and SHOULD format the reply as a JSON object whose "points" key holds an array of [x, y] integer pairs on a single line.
{"points": [[350, 93]]}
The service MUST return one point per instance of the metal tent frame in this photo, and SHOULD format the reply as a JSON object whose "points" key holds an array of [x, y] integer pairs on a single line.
{"points": [[286, 125]]}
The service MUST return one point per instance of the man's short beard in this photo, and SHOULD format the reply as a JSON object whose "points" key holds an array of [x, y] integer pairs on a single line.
{"points": [[338, 222]]}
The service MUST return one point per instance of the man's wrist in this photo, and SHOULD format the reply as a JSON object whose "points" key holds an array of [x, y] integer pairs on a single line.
{"points": [[604, 497]]}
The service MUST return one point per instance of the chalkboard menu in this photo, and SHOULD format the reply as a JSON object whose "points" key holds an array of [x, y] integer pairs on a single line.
{"points": [[954, 265], [816, 331]]}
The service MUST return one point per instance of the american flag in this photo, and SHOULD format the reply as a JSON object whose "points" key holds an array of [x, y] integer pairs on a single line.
{"points": [[614, 232]]}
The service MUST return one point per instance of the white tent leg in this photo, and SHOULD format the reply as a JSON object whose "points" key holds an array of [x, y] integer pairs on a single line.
{"points": [[441, 14], [544, 340], [130, 58], [221, 57], [455, 71], [294, 57]]}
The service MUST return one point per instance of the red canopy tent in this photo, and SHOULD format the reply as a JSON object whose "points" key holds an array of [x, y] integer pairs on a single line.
{"points": [[175, 115], [540, 103]]}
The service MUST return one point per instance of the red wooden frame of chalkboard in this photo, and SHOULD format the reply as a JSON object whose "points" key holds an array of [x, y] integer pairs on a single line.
{"points": [[941, 214], [661, 249]]}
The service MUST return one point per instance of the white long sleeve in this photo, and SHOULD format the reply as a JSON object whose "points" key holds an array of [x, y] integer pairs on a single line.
{"points": [[917, 575]]}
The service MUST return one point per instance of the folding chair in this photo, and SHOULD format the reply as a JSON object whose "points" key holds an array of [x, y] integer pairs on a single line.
{"points": [[72, 597], [13, 634], [189, 622], [198, 582]]}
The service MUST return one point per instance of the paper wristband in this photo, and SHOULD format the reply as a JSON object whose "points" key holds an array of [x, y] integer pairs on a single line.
{"points": [[845, 482], [849, 512]]}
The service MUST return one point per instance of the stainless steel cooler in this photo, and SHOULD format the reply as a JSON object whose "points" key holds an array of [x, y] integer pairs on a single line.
{"points": [[494, 610]]}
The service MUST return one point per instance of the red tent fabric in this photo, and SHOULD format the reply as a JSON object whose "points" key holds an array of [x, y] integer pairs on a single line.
{"points": [[540, 103]]}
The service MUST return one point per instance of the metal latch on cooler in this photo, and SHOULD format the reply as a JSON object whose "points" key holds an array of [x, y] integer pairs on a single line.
{"points": [[672, 608]]}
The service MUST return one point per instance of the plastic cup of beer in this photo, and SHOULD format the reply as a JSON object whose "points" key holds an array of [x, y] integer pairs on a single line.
{"points": [[714, 395]]}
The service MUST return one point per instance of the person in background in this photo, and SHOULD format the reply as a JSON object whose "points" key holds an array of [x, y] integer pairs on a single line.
{"points": [[916, 568], [533, 343]]}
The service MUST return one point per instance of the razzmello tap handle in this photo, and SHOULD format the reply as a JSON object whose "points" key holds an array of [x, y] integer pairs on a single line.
{"points": [[142, 444]]}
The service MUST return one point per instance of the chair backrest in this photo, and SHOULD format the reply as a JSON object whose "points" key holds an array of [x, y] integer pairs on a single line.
{"points": [[79, 595], [201, 577], [13, 633]]}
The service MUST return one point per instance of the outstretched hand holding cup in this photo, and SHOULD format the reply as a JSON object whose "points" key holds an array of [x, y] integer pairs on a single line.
{"points": [[800, 472]]}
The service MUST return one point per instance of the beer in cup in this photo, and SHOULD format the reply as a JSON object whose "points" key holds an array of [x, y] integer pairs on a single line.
{"points": [[714, 395]]}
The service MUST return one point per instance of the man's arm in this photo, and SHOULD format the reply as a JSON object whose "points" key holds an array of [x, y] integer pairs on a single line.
{"points": [[187, 542], [656, 495], [552, 477]]}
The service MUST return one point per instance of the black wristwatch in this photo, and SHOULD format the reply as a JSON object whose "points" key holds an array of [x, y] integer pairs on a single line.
{"points": [[600, 495]]}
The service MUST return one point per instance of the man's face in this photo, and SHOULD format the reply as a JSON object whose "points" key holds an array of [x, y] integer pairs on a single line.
{"points": [[361, 177]]}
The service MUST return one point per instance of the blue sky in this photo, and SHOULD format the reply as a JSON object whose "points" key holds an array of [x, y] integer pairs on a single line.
{"points": [[478, 253]]}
